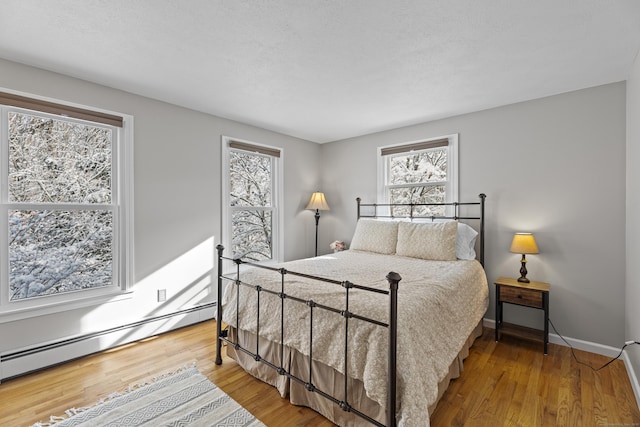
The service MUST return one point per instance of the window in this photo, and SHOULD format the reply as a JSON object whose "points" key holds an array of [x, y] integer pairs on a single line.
{"points": [[251, 196], [419, 172], [66, 223]]}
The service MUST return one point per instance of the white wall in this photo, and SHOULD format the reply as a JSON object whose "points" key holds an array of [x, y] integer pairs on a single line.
{"points": [[553, 166], [632, 313], [177, 203]]}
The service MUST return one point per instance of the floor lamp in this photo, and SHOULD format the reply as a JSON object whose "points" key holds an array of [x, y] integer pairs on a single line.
{"points": [[317, 203]]}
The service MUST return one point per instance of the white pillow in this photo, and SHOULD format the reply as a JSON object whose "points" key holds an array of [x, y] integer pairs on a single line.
{"points": [[465, 237], [428, 240], [375, 236], [466, 242]]}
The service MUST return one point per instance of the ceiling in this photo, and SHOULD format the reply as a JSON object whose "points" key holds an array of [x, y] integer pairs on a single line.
{"points": [[326, 70]]}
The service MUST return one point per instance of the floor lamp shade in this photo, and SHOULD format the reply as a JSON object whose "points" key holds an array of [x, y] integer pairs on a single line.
{"points": [[318, 203]]}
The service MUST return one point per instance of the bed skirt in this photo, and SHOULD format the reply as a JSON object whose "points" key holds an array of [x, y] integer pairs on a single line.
{"points": [[325, 378]]}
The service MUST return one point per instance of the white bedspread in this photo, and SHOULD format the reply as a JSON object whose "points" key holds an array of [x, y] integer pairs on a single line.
{"points": [[439, 304]]}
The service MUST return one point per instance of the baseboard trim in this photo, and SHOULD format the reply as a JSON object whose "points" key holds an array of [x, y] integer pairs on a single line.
{"points": [[632, 376], [28, 360], [591, 347]]}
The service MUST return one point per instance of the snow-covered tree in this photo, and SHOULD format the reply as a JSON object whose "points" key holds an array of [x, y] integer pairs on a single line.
{"points": [[61, 236], [419, 178], [251, 202]]}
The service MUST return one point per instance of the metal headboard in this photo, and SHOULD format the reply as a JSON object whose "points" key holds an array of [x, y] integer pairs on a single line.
{"points": [[412, 214]]}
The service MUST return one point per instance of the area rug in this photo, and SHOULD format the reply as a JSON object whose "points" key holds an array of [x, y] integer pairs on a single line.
{"points": [[181, 398]]}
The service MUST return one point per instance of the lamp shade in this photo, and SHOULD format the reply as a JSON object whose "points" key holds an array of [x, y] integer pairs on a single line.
{"points": [[318, 202], [524, 243]]}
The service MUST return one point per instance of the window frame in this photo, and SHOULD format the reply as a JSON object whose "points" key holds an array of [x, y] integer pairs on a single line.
{"points": [[121, 205], [277, 192], [400, 149]]}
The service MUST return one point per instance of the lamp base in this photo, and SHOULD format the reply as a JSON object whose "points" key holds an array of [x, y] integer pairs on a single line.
{"points": [[523, 271], [317, 216]]}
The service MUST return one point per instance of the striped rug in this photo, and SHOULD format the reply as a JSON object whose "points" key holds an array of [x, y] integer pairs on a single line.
{"points": [[181, 398]]}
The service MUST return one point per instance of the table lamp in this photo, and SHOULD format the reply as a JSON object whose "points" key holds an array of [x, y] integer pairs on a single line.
{"points": [[524, 243]]}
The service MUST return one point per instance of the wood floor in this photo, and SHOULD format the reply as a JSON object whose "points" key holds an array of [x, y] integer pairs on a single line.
{"points": [[508, 383]]}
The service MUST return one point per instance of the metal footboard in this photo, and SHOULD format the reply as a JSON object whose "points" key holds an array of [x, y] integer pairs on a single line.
{"points": [[308, 383], [377, 211]]}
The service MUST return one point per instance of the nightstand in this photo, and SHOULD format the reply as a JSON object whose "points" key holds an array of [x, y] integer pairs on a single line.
{"points": [[532, 294]]}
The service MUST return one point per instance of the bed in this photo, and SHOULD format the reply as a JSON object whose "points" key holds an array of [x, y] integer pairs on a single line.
{"points": [[367, 336]]}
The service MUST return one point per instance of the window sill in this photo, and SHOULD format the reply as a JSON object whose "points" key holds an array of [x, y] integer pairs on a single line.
{"points": [[57, 307]]}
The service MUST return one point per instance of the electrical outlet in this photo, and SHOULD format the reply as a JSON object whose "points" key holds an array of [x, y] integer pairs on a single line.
{"points": [[162, 295]]}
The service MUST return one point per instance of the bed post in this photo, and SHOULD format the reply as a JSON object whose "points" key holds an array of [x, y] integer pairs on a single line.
{"points": [[220, 248], [394, 279], [358, 203], [482, 197]]}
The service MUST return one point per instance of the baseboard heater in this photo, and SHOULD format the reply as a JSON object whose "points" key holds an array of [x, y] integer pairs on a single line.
{"points": [[36, 358]]}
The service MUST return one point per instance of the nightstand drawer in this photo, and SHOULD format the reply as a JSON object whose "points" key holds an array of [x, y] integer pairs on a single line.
{"points": [[528, 297]]}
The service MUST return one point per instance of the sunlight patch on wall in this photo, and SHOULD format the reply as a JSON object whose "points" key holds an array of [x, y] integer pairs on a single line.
{"points": [[187, 281]]}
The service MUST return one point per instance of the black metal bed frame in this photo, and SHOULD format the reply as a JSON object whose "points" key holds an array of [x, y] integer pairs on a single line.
{"points": [[393, 279]]}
